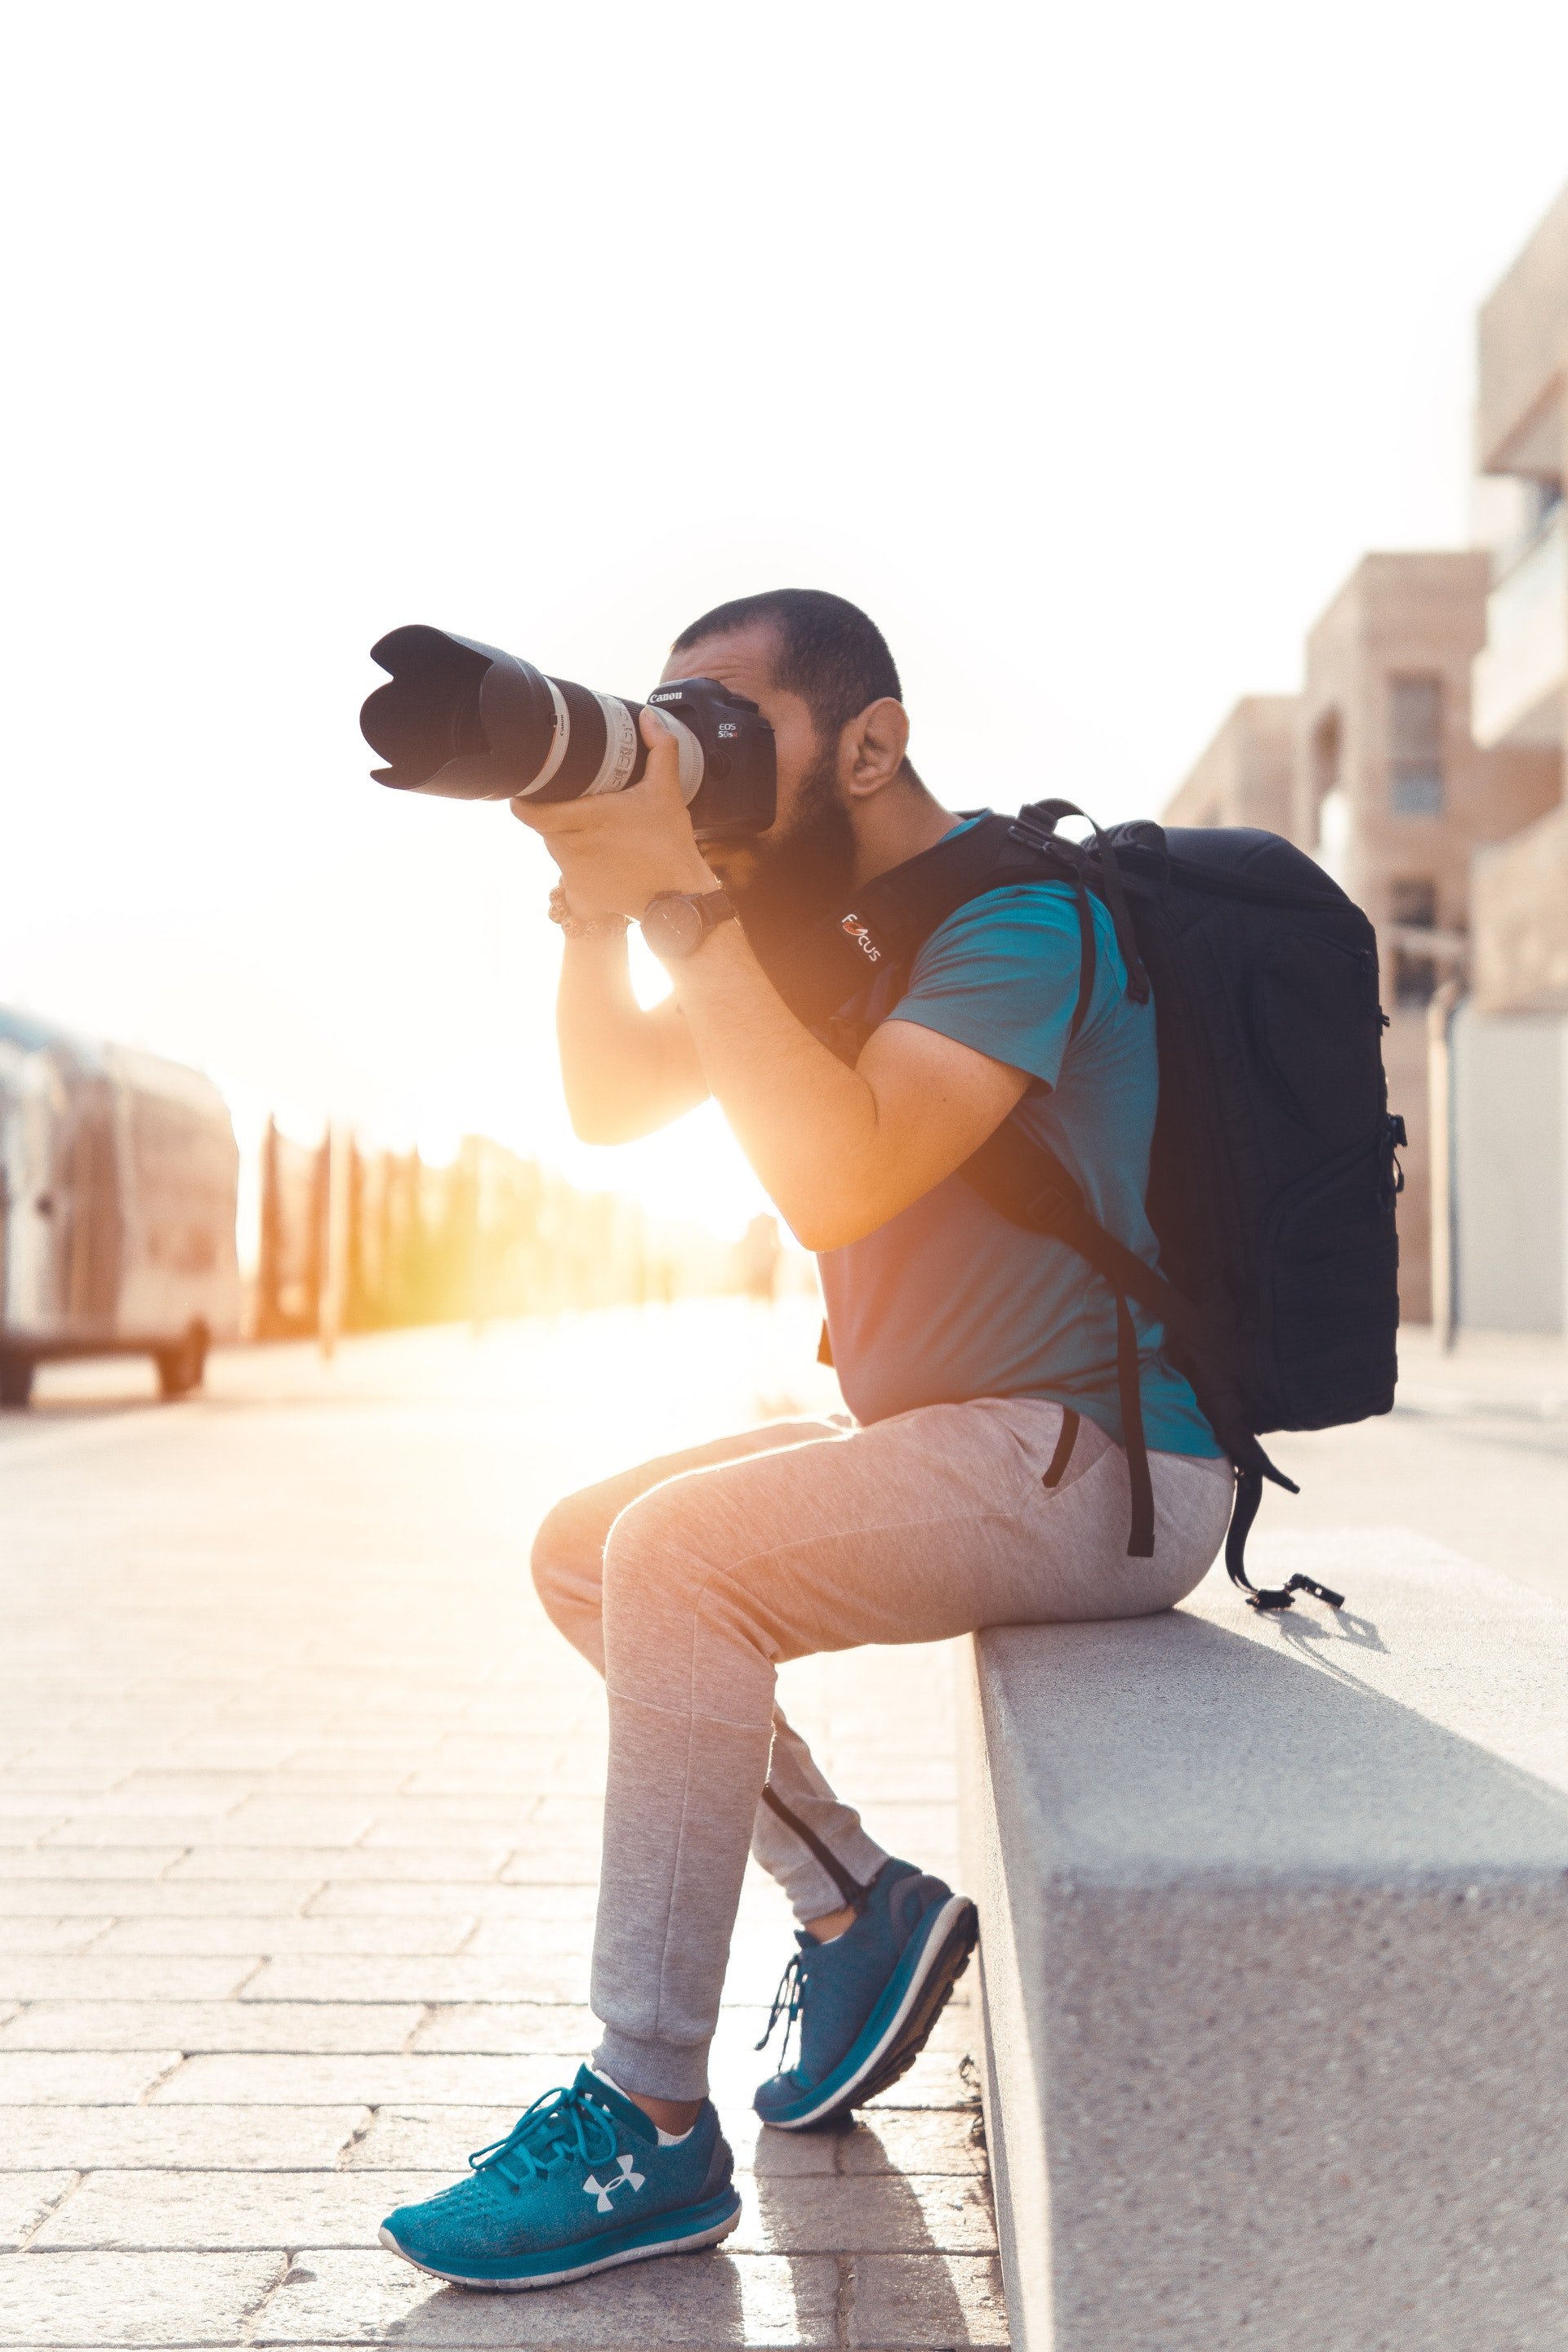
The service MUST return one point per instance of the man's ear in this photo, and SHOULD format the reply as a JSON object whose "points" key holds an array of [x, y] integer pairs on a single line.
{"points": [[872, 747]]}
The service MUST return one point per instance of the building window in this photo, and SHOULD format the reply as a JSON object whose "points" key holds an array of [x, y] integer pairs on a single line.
{"points": [[1416, 745], [1414, 907], [1329, 792]]}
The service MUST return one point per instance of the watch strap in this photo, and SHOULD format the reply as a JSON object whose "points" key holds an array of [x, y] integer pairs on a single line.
{"points": [[713, 908]]}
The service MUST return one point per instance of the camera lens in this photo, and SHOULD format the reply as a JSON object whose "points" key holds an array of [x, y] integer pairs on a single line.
{"points": [[470, 722]]}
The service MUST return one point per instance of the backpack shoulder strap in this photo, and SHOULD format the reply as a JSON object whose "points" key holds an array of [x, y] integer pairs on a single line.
{"points": [[1028, 1185], [829, 964], [1024, 1182]]}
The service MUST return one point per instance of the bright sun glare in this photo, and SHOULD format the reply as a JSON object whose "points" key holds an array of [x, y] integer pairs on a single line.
{"points": [[323, 332]]}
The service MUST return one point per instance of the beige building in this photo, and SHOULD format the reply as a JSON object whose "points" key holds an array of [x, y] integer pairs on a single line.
{"points": [[1422, 764], [1394, 795], [1374, 770], [1521, 454], [1247, 775]]}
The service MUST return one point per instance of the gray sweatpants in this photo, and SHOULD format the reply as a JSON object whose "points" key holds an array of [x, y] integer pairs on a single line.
{"points": [[689, 1581]]}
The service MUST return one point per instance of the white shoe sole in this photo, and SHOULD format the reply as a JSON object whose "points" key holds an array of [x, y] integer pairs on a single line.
{"points": [[712, 2236]]}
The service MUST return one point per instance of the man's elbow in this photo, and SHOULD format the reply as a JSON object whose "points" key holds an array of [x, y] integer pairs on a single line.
{"points": [[595, 1122], [824, 1225]]}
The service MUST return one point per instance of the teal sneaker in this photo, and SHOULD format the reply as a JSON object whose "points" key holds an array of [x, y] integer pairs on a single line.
{"points": [[866, 2002], [579, 2184]]}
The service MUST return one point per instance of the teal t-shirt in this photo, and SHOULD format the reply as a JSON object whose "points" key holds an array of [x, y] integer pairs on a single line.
{"points": [[948, 1300]]}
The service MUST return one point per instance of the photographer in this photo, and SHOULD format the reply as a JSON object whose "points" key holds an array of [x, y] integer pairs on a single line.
{"points": [[982, 1480]]}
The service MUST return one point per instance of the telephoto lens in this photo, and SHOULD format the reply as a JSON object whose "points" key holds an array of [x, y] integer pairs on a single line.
{"points": [[470, 722]]}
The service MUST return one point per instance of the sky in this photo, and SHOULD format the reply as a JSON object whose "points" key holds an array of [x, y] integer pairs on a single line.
{"points": [[1086, 348]]}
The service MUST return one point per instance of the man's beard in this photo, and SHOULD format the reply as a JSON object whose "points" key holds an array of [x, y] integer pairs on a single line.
{"points": [[780, 881]]}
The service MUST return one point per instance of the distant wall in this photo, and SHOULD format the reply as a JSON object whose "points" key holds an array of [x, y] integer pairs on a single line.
{"points": [[1510, 1130]]}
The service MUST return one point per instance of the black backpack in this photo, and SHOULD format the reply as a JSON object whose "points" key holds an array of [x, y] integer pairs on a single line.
{"points": [[1273, 1177]]}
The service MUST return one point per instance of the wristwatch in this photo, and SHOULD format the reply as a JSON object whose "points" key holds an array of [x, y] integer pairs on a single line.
{"points": [[675, 922]]}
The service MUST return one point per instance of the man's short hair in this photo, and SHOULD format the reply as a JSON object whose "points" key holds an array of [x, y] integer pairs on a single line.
{"points": [[830, 652]]}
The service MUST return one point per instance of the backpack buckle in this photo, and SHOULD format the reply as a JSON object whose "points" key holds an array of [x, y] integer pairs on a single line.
{"points": [[1033, 837], [1272, 1603]]}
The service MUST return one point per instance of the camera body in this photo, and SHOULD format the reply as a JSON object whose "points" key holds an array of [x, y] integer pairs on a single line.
{"points": [[466, 721]]}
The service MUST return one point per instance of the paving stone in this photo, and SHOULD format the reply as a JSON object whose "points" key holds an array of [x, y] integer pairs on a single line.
{"points": [[388, 1864], [309, 2026], [27, 1829], [702, 2302], [91, 1829], [148, 1790], [525, 1935], [392, 1758], [916, 2300], [571, 1859], [374, 1939], [875, 2212], [314, 1831], [503, 2028], [153, 1899], [369, 2081], [25, 2198], [235, 1751], [37, 1937], [499, 1827], [223, 2139], [140, 2211], [80, 2077], [937, 2079], [501, 1812], [103, 2300], [101, 1978], [926, 2140], [425, 2139], [495, 1979], [295, 1822], [780, 2155], [126, 1861], [372, 1786], [341, 1899]]}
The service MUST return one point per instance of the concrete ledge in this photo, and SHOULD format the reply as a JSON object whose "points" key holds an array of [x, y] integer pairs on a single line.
{"points": [[1274, 1921]]}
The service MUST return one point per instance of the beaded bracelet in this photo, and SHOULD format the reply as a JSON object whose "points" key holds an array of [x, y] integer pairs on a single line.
{"points": [[584, 926]]}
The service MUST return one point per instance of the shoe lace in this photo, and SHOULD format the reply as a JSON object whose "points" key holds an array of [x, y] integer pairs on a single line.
{"points": [[788, 2002], [560, 2126]]}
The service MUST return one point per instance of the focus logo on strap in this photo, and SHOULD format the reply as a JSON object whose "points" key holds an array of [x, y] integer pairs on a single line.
{"points": [[862, 937]]}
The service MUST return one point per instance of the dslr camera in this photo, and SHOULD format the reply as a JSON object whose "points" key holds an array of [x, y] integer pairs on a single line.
{"points": [[471, 723]]}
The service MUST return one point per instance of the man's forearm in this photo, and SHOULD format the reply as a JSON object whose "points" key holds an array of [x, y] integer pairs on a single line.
{"points": [[808, 1125], [622, 1072]]}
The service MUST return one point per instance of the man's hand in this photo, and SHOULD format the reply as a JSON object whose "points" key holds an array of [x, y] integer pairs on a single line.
{"points": [[619, 850]]}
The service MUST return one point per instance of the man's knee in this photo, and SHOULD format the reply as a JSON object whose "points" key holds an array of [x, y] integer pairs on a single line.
{"points": [[654, 1550], [566, 1554]]}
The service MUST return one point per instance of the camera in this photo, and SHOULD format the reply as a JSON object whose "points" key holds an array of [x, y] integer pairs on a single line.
{"points": [[472, 723]]}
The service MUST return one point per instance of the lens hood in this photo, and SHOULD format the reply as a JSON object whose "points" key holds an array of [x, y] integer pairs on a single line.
{"points": [[456, 718]]}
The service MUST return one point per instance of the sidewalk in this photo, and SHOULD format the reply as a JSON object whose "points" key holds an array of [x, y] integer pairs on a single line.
{"points": [[299, 1799]]}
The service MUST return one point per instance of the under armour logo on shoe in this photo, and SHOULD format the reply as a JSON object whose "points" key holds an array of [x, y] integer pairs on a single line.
{"points": [[604, 2190]]}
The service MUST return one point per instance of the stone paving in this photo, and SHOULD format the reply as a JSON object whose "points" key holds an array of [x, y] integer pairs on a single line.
{"points": [[298, 1812]]}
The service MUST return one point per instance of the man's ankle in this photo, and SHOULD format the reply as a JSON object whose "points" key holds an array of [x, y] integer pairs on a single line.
{"points": [[831, 1924], [675, 2117]]}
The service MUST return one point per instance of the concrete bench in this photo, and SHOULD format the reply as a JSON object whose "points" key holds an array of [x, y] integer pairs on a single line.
{"points": [[1274, 1921]]}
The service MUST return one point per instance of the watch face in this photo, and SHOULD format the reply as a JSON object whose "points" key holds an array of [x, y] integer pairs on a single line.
{"points": [[673, 927]]}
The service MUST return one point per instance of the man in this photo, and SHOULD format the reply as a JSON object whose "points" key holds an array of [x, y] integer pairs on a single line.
{"points": [[982, 1480]]}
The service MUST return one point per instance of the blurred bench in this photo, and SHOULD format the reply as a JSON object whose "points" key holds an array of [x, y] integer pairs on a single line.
{"points": [[1274, 1933]]}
